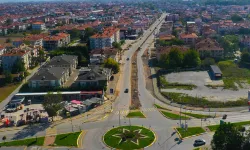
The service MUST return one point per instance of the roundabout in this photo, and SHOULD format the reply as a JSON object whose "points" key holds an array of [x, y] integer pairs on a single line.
{"points": [[129, 137]]}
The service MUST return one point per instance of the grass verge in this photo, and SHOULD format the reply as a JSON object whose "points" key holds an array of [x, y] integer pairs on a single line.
{"points": [[181, 98], [159, 107], [199, 116], [173, 116], [7, 90], [69, 139], [136, 114], [190, 131], [26, 142], [112, 137], [163, 83], [215, 127]]}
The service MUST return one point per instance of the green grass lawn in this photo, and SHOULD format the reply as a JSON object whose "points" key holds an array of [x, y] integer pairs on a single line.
{"points": [[233, 74], [112, 140], [69, 139], [197, 148], [190, 131], [7, 90], [159, 107], [215, 127], [26, 142], [135, 114], [173, 116], [181, 98], [199, 116], [165, 84]]}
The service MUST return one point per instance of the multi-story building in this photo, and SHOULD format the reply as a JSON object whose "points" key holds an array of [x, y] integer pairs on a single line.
{"points": [[245, 41], [2, 51], [69, 61], [189, 38], [209, 46], [34, 40], [49, 77], [38, 26], [105, 38], [55, 73], [9, 58], [55, 41]]}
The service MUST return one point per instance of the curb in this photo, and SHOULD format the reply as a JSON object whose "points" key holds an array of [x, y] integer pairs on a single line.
{"points": [[188, 136], [78, 139]]}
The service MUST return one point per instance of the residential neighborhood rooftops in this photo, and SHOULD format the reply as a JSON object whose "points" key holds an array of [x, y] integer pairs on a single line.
{"points": [[107, 32], [50, 73], [188, 35], [208, 44]]}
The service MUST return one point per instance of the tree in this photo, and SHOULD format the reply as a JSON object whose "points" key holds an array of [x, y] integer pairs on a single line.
{"points": [[8, 40], [112, 64], [87, 33], [227, 137], [236, 18], [52, 103], [75, 34], [245, 58], [122, 42], [4, 138], [191, 59], [18, 66], [41, 55], [8, 21], [175, 58], [118, 47], [164, 61], [207, 62], [8, 77]]}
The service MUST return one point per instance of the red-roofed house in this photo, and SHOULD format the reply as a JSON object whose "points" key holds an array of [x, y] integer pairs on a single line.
{"points": [[189, 38]]}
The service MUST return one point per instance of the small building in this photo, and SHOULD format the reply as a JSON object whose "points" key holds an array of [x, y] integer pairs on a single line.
{"points": [[215, 72]]}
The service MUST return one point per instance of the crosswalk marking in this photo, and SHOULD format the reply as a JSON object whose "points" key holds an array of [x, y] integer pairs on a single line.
{"points": [[124, 112]]}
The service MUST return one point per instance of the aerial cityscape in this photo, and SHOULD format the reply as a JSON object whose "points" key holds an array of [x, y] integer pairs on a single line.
{"points": [[148, 74]]}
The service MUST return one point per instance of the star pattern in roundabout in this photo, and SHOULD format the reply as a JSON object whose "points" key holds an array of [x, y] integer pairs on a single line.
{"points": [[130, 136]]}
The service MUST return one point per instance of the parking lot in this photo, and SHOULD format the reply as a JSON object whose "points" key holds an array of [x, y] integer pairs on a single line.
{"points": [[201, 79]]}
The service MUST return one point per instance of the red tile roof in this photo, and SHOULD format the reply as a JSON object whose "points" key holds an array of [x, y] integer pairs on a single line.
{"points": [[107, 32]]}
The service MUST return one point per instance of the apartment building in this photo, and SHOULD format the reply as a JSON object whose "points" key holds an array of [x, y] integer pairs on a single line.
{"points": [[105, 38], [38, 26], [210, 46], [2, 51], [9, 58], [55, 41], [189, 38]]}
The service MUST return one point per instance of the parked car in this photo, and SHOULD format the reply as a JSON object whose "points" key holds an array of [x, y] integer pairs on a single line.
{"points": [[224, 116], [199, 142], [126, 91]]}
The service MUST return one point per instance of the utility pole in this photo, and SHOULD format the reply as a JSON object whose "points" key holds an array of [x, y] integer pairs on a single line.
{"points": [[180, 115], [119, 119]]}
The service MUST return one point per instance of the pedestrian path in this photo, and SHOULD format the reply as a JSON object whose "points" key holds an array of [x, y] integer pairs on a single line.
{"points": [[124, 112]]}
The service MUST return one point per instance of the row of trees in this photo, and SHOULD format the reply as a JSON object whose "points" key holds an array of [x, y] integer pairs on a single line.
{"points": [[81, 51], [231, 137], [174, 41], [177, 59]]}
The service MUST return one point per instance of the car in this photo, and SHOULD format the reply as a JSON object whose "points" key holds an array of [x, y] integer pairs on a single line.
{"points": [[127, 58], [199, 142], [126, 91], [224, 116]]}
